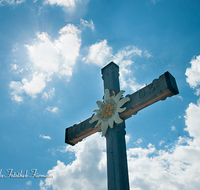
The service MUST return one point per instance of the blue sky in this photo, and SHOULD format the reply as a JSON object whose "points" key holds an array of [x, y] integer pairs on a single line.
{"points": [[51, 55]]}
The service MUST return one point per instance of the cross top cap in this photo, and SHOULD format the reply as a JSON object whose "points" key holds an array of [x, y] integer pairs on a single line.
{"points": [[111, 64]]}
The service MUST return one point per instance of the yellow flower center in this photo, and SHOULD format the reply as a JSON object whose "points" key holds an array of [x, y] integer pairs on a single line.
{"points": [[107, 110]]}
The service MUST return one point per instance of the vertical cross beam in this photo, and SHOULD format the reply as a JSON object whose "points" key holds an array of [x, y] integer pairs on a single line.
{"points": [[117, 169]]}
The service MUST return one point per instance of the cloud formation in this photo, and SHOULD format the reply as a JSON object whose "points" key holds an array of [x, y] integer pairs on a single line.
{"points": [[90, 24], [101, 53], [173, 128], [65, 3], [47, 58], [86, 172], [175, 168], [52, 109], [17, 88], [71, 6], [48, 95], [11, 2], [193, 74], [45, 137], [29, 183], [58, 57]]}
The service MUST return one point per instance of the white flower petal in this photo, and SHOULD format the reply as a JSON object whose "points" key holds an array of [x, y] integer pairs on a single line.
{"points": [[94, 118], [98, 123], [123, 101], [99, 103], [118, 96], [97, 111], [117, 119], [110, 122], [119, 110], [106, 95], [104, 127]]}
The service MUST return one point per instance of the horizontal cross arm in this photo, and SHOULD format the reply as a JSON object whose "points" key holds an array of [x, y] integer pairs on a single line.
{"points": [[159, 89], [80, 131]]}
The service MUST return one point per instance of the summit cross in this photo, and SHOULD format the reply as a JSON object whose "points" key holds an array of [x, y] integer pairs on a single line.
{"points": [[117, 170]]}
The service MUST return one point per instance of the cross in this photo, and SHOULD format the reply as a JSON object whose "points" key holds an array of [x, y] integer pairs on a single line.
{"points": [[117, 170]]}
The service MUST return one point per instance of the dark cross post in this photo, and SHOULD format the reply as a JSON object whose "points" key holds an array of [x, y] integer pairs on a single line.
{"points": [[117, 170]]}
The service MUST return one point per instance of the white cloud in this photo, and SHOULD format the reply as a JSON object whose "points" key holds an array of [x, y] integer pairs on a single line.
{"points": [[14, 67], [138, 141], [192, 121], [15, 48], [161, 142], [70, 6], [11, 2], [48, 95], [47, 58], [127, 52], [75, 9], [193, 73], [65, 3], [86, 172], [175, 168], [85, 23], [147, 54], [99, 53], [42, 185], [45, 137], [127, 137], [140, 152], [69, 45], [58, 56], [32, 88], [197, 92], [131, 82], [180, 97], [123, 59], [173, 128], [20, 1], [17, 98], [29, 183], [17, 87], [36, 85], [17, 90], [52, 109], [126, 76], [44, 55]]}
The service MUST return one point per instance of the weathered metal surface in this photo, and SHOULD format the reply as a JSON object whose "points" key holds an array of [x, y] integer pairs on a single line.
{"points": [[161, 88]]}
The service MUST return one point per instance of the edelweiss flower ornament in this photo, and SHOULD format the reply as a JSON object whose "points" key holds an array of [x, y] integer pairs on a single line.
{"points": [[109, 110]]}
